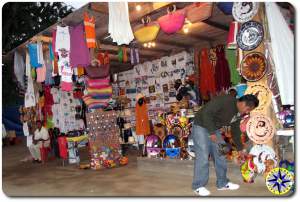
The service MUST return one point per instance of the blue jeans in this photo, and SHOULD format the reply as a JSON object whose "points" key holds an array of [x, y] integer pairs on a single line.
{"points": [[203, 146]]}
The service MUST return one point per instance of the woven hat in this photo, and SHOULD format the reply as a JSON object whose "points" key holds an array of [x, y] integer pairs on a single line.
{"points": [[139, 96], [244, 11], [260, 129], [253, 66], [250, 35], [263, 94]]}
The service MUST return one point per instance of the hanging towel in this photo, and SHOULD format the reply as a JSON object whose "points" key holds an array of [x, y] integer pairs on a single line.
{"points": [[40, 54], [119, 25], [120, 54], [79, 53], [231, 55], [29, 98], [32, 48], [125, 59], [19, 68], [90, 33]]}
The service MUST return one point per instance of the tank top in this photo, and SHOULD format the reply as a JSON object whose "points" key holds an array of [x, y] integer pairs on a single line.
{"points": [[90, 33]]}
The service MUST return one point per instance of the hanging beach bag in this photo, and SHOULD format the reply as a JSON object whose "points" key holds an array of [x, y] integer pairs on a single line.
{"points": [[147, 31], [96, 71], [199, 11], [173, 21]]}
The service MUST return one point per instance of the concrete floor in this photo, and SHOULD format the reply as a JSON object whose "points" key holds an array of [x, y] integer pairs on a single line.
{"points": [[28, 179]]}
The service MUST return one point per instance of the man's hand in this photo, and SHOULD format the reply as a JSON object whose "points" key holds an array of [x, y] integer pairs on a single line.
{"points": [[213, 137]]}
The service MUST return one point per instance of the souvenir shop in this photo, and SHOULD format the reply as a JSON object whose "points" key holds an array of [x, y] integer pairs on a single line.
{"points": [[139, 80]]}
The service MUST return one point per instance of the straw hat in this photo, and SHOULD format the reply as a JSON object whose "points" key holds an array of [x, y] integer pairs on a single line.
{"points": [[260, 129]]}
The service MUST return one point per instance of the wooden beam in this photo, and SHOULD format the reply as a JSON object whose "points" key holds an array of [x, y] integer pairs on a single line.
{"points": [[216, 25]]}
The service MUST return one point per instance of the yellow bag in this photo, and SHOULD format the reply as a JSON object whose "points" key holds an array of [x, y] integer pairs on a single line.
{"points": [[147, 31]]}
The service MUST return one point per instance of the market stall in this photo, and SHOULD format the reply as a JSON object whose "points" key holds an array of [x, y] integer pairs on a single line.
{"points": [[140, 79]]}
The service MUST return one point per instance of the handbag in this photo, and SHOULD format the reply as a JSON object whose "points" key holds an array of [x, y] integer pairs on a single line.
{"points": [[95, 70], [173, 21], [147, 31], [199, 11]]}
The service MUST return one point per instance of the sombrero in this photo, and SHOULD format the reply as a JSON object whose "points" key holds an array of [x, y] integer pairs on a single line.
{"points": [[261, 154], [253, 66], [250, 35], [263, 94], [260, 129], [244, 11]]}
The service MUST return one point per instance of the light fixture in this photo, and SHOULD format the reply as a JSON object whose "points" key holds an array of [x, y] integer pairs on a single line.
{"points": [[185, 29], [145, 45], [138, 7]]}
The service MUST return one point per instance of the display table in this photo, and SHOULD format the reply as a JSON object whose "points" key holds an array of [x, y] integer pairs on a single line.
{"points": [[287, 133]]}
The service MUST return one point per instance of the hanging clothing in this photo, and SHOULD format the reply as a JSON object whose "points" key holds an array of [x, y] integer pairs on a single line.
{"points": [[206, 78], [231, 55], [222, 72], [29, 99], [41, 74], [142, 120], [79, 53], [40, 54], [62, 39], [32, 48], [89, 28], [19, 68], [49, 68], [64, 60], [119, 25], [66, 79], [134, 56]]}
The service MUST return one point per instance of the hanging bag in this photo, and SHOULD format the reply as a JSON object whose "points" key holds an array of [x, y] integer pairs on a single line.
{"points": [[147, 31], [173, 21], [199, 11], [96, 71]]}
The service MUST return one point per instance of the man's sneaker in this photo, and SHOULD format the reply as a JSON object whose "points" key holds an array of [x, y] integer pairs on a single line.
{"points": [[202, 191], [230, 186]]}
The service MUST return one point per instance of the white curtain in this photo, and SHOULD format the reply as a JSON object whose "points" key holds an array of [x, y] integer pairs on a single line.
{"points": [[282, 43]]}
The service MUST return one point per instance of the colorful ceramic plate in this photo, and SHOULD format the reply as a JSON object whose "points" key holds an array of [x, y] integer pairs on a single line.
{"points": [[250, 35], [263, 94], [253, 66], [244, 11], [260, 129]]}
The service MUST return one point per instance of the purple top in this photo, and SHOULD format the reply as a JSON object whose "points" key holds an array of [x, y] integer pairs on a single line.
{"points": [[79, 52]]}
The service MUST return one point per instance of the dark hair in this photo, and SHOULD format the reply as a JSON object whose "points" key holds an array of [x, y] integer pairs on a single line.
{"points": [[232, 89], [250, 100]]}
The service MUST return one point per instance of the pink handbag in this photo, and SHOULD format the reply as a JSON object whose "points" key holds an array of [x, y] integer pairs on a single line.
{"points": [[173, 21]]}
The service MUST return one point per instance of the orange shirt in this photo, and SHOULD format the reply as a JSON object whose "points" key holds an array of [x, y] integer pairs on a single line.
{"points": [[90, 33]]}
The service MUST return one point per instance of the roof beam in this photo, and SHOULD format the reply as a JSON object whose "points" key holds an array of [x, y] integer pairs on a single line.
{"points": [[216, 25]]}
